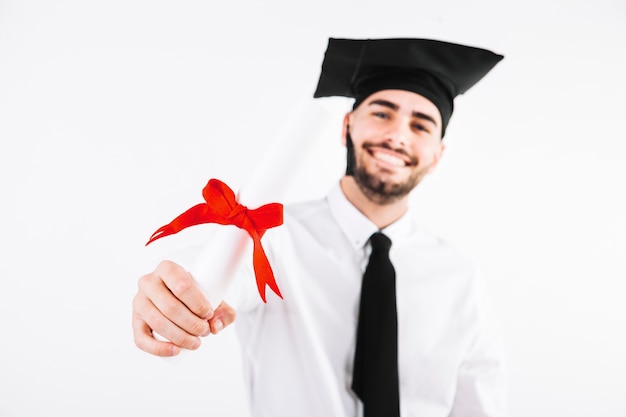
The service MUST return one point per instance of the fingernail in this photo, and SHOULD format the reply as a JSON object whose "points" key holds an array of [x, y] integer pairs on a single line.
{"points": [[218, 325], [195, 344]]}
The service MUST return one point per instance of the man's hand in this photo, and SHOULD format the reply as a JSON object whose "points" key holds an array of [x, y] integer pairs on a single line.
{"points": [[170, 303]]}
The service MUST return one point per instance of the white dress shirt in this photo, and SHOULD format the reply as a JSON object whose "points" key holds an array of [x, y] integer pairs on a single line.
{"points": [[298, 351]]}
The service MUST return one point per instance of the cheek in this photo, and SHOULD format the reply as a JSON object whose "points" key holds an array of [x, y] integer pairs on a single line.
{"points": [[356, 135], [364, 128], [427, 152]]}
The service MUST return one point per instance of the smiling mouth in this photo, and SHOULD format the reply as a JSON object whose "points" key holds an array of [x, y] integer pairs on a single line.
{"points": [[390, 158]]}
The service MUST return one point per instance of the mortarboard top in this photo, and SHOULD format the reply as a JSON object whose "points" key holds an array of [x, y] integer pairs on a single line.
{"points": [[434, 69]]}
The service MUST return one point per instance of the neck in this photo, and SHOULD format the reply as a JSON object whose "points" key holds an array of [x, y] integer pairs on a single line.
{"points": [[382, 215]]}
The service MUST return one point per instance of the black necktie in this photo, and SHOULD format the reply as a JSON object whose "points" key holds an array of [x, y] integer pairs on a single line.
{"points": [[375, 375]]}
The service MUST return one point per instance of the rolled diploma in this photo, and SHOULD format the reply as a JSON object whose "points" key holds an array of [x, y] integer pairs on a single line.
{"points": [[219, 260]]}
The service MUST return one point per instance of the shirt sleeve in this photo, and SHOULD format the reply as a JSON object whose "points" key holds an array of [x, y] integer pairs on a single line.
{"points": [[481, 382]]}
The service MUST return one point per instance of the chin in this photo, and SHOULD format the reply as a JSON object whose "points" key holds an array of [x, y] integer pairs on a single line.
{"points": [[380, 189]]}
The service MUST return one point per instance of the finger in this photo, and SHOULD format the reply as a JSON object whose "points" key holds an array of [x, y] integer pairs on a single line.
{"points": [[180, 282], [150, 315], [169, 307], [224, 316], [146, 342]]}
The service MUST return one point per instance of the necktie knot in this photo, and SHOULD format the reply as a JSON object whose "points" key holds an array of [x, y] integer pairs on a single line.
{"points": [[380, 242]]}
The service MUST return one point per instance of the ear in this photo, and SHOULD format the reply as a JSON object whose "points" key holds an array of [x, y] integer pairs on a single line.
{"points": [[437, 158], [344, 130]]}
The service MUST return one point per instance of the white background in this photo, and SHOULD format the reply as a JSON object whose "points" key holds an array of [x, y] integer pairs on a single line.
{"points": [[113, 115]]}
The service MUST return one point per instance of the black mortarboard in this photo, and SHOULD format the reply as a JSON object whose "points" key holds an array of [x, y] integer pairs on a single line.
{"points": [[434, 69]]}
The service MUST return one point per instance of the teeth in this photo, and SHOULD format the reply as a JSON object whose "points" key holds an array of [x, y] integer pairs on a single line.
{"points": [[390, 159]]}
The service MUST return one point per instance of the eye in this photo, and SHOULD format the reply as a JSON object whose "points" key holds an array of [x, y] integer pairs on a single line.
{"points": [[420, 128], [380, 115]]}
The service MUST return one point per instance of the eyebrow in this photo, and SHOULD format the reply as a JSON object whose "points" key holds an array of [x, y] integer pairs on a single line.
{"points": [[395, 107]]}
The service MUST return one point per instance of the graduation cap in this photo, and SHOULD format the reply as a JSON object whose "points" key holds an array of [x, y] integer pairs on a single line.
{"points": [[434, 69]]}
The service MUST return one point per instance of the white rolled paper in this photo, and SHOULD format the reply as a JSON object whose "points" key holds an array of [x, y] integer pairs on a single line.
{"points": [[219, 260]]}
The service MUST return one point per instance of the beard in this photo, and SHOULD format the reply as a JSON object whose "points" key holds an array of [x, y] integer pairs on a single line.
{"points": [[374, 188]]}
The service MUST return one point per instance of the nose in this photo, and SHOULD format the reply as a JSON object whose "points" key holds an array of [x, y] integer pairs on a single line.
{"points": [[397, 134]]}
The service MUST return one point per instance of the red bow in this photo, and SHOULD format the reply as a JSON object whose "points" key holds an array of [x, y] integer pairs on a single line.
{"points": [[222, 207]]}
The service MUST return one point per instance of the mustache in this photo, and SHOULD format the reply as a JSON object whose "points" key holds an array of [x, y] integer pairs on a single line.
{"points": [[413, 160]]}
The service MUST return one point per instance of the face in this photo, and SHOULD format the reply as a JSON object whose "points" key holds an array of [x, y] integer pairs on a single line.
{"points": [[396, 139]]}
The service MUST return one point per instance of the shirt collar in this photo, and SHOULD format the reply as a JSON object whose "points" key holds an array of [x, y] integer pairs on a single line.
{"points": [[356, 226]]}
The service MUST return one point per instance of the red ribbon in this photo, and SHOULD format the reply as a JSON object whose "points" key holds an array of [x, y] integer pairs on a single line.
{"points": [[222, 207]]}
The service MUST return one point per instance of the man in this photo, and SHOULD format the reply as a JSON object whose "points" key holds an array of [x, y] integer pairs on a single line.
{"points": [[326, 348]]}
